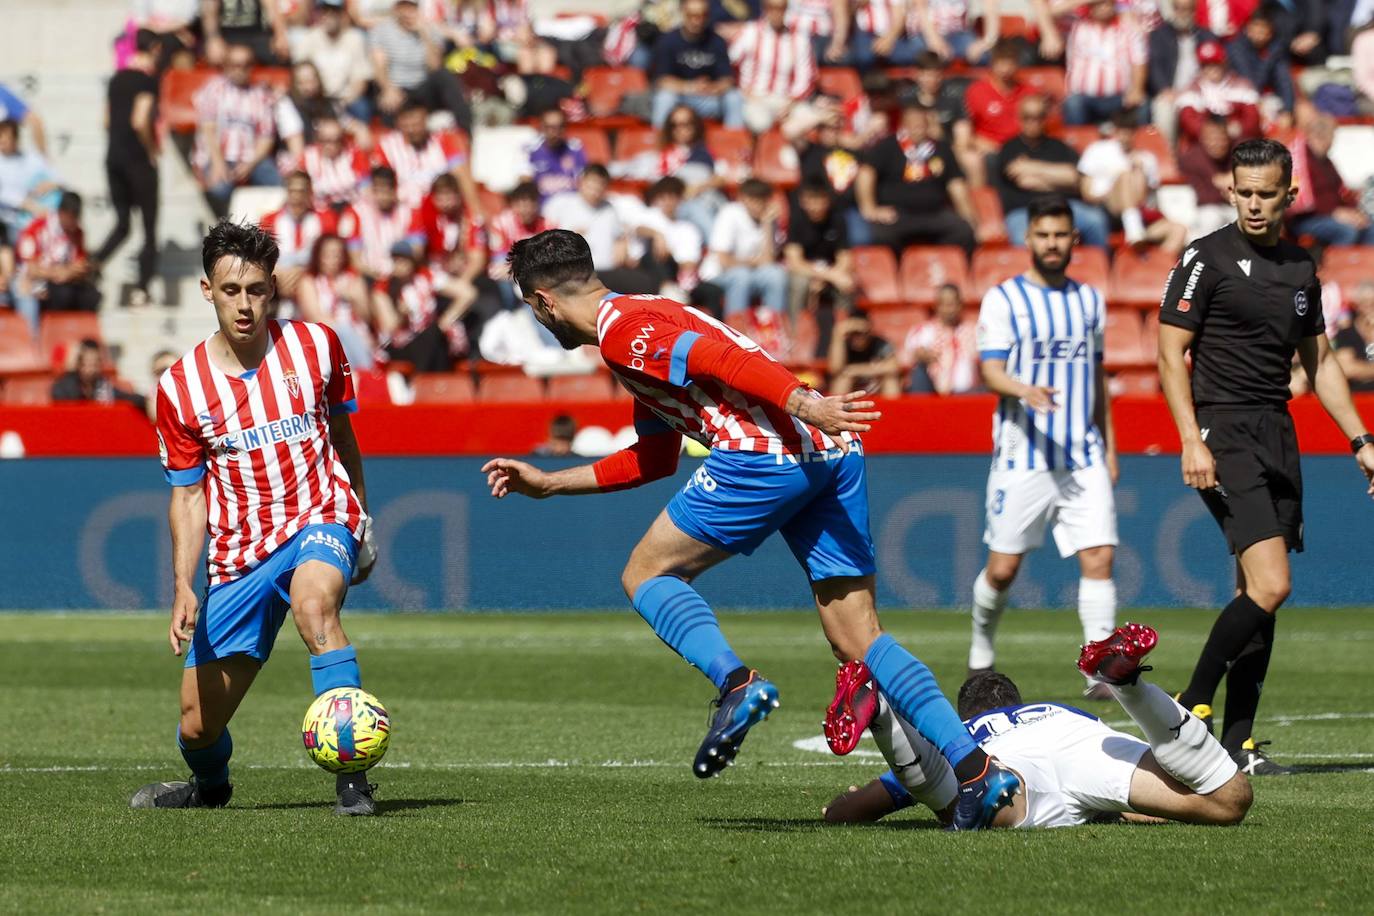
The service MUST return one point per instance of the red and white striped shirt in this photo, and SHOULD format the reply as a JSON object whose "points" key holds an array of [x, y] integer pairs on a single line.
{"points": [[417, 306], [445, 235], [1100, 56], [296, 237], [878, 16], [947, 17], [416, 169], [774, 63], [242, 116], [45, 241], [336, 308], [338, 180], [377, 231], [814, 17], [638, 337], [261, 444], [503, 231]]}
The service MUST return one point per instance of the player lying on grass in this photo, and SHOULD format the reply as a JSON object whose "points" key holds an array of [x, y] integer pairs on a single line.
{"points": [[783, 458], [256, 442], [1074, 769]]}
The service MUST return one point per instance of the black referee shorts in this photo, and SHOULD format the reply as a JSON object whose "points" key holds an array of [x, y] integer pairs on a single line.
{"points": [[1259, 477]]}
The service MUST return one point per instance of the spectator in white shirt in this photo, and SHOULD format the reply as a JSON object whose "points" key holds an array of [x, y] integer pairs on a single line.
{"points": [[742, 259], [339, 54], [589, 213], [1122, 179]]}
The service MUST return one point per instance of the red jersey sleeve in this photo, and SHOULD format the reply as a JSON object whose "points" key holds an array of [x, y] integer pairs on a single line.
{"points": [[654, 456], [339, 392], [649, 343], [181, 449]]}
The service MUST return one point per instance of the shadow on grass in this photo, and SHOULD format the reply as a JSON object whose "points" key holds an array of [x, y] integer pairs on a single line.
{"points": [[806, 825], [384, 805], [1304, 769]]}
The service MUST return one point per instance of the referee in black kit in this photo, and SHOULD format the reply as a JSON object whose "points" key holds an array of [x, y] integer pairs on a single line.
{"points": [[1244, 300]]}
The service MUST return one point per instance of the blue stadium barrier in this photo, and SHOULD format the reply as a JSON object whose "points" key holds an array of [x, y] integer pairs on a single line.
{"points": [[83, 533]]}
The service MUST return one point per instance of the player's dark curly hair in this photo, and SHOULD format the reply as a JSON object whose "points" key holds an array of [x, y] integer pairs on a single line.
{"points": [[1259, 153], [987, 690], [1049, 205], [245, 241], [549, 260]]}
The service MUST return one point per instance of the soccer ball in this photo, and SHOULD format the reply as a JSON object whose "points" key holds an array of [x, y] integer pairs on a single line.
{"points": [[346, 730]]}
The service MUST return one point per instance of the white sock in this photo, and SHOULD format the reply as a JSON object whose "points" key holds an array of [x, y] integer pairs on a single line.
{"points": [[1181, 743], [988, 605], [920, 767], [1097, 608], [1133, 225]]}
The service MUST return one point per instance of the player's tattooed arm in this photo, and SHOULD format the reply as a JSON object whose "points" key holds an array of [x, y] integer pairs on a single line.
{"points": [[186, 516], [846, 413]]}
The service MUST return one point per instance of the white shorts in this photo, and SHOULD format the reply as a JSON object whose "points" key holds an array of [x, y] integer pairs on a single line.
{"points": [[1078, 503]]}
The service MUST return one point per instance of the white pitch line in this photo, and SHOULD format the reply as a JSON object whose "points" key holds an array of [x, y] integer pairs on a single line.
{"points": [[440, 765]]}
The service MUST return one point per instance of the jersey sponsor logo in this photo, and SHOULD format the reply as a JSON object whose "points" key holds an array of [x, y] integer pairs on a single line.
{"points": [[700, 478], [1244, 265], [1168, 283], [286, 430], [1188, 256], [1186, 302], [293, 384], [1059, 348], [1300, 302], [640, 346], [327, 541]]}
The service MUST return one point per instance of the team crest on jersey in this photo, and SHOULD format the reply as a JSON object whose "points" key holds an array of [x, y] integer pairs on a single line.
{"points": [[293, 384], [1300, 302]]}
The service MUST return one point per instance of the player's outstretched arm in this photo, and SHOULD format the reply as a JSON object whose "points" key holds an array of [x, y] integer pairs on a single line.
{"points": [[186, 515], [1333, 390], [649, 459]]}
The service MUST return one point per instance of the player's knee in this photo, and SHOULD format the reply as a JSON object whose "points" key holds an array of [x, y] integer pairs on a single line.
{"points": [[1001, 572], [193, 732], [1232, 801], [313, 612], [1271, 590], [1096, 562]]}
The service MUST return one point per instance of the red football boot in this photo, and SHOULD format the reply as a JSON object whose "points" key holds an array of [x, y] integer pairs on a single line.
{"points": [[855, 705], [1116, 659]]}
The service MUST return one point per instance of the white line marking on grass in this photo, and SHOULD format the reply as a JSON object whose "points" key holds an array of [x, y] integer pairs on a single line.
{"points": [[441, 765]]}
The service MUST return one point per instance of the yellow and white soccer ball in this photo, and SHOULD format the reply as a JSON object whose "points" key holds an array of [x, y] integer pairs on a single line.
{"points": [[346, 730]]}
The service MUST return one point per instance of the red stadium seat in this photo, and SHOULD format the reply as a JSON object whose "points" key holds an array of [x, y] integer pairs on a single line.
{"points": [[1079, 136], [1045, 80], [875, 269], [631, 141], [176, 102], [775, 162], [1138, 276], [508, 387], [31, 390], [18, 351], [1347, 265], [993, 265], [926, 268], [734, 146], [594, 387], [1151, 140], [1134, 383], [893, 325], [1011, 27], [606, 86], [58, 330], [1123, 343], [444, 388], [1090, 266], [594, 141], [806, 335], [992, 222], [840, 82]]}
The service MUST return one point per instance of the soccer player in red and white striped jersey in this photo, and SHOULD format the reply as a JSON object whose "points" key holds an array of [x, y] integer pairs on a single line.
{"points": [[1106, 58], [338, 170], [418, 156], [782, 458], [777, 67], [256, 442]]}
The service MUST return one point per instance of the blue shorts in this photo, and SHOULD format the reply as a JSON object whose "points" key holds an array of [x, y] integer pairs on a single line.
{"points": [[242, 617], [735, 500]]}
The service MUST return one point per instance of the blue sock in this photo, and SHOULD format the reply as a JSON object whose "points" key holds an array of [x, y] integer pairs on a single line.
{"points": [[900, 796], [686, 623], [337, 668], [210, 764], [911, 688]]}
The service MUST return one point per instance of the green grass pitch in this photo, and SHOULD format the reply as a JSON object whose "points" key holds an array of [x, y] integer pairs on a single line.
{"points": [[540, 763]]}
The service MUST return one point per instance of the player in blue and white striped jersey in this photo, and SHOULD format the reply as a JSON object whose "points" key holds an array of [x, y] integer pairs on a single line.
{"points": [[1054, 459]]}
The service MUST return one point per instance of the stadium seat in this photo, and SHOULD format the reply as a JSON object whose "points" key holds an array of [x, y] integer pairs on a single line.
{"points": [[806, 335], [925, 268], [775, 161], [606, 86], [1123, 333], [594, 141], [1151, 140], [59, 329], [992, 222], [1090, 266], [594, 387], [444, 388], [840, 82], [875, 269], [30, 390], [893, 325], [1079, 136], [18, 352], [1138, 276], [1347, 265], [631, 141], [993, 265], [1045, 80], [253, 203], [176, 102], [1134, 383], [508, 387], [732, 146], [1011, 27]]}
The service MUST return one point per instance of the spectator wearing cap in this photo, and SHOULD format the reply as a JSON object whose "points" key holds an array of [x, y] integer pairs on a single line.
{"points": [[556, 160], [236, 132], [383, 223], [1220, 92], [1106, 59], [941, 353], [254, 24], [296, 226], [1261, 57], [338, 169], [944, 28], [407, 64], [991, 104], [1206, 167], [1122, 179], [1032, 164], [1173, 63], [54, 273], [777, 69], [27, 182], [418, 156], [339, 53], [691, 66], [13, 108], [1324, 207], [87, 381], [742, 254], [911, 190], [412, 326], [862, 361], [818, 258]]}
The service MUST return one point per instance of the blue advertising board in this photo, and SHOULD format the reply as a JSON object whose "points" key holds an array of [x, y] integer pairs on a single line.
{"points": [[92, 533]]}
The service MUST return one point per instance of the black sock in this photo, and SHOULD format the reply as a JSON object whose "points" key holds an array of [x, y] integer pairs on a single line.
{"points": [[972, 766], [1243, 685], [1235, 627], [737, 678]]}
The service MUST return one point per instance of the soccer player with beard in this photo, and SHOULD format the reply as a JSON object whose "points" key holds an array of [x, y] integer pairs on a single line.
{"points": [[1054, 456], [783, 458], [1243, 300], [256, 442]]}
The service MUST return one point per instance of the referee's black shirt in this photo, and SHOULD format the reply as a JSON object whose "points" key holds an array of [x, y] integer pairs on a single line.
{"points": [[1249, 306]]}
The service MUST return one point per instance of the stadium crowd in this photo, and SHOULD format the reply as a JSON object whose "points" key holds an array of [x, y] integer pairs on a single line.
{"points": [[838, 180]]}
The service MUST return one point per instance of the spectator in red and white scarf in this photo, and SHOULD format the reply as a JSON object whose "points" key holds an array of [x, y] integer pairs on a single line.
{"points": [[941, 353], [338, 170], [777, 72], [1218, 91], [455, 245], [412, 325], [1106, 61], [54, 273], [332, 293], [1225, 18], [237, 132]]}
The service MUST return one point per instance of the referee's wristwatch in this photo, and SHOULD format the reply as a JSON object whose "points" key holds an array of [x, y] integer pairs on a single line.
{"points": [[1360, 442]]}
